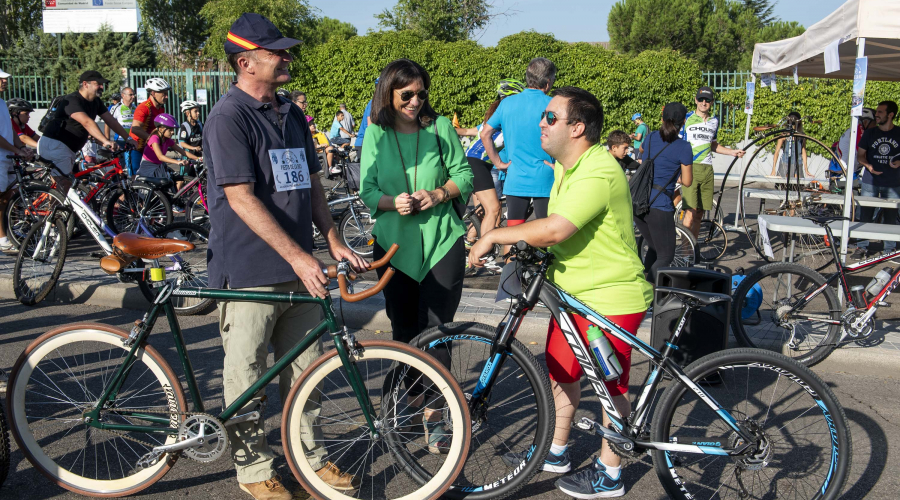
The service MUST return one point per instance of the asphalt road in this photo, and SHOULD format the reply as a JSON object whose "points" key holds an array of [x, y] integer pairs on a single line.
{"points": [[871, 400]]}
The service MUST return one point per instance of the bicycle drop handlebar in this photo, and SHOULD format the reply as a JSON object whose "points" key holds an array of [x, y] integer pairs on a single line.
{"points": [[343, 273]]}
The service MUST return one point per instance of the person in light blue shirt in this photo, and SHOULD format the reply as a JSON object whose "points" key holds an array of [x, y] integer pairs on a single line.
{"points": [[529, 172], [334, 135]]}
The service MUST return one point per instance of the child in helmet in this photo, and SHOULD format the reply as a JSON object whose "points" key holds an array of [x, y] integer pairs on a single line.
{"points": [[153, 162]]}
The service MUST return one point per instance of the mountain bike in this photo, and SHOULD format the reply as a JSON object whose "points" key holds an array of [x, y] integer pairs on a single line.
{"points": [[31, 199], [800, 314], [42, 253], [100, 412], [768, 427]]}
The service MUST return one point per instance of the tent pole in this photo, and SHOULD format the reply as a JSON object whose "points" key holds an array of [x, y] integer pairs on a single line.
{"points": [[851, 163]]}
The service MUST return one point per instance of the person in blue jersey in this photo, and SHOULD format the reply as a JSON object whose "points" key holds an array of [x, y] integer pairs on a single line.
{"points": [[484, 190], [363, 125], [529, 171]]}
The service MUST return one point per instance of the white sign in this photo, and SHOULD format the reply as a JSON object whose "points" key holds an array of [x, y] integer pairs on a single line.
{"points": [[859, 86], [140, 94], [202, 97], [89, 4], [90, 20], [289, 169], [764, 234], [748, 102]]}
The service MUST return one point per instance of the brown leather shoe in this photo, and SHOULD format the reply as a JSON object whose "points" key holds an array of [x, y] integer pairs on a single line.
{"points": [[271, 489], [338, 480]]}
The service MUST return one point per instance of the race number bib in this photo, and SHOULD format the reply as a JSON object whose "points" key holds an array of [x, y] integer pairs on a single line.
{"points": [[289, 169]]}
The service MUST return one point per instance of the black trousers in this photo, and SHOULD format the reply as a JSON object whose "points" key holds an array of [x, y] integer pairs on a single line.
{"points": [[658, 229], [414, 307]]}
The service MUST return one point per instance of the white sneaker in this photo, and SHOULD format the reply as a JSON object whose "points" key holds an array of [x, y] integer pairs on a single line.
{"points": [[7, 247]]}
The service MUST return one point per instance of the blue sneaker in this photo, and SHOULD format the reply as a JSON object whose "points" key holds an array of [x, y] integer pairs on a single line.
{"points": [[591, 483], [553, 463]]}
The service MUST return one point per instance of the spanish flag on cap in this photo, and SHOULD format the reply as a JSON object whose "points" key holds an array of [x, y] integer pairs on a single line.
{"points": [[252, 31]]}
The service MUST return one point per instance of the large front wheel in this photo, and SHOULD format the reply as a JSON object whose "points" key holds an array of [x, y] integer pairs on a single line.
{"points": [[59, 377], [324, 422], [799, 446], [42, 255], [512, 430]]}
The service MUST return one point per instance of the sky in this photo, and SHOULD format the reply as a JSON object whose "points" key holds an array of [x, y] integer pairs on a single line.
{"points": [[568, 20]]}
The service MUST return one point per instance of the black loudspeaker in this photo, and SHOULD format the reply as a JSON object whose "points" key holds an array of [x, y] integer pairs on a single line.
{"points": [[706, 331]]}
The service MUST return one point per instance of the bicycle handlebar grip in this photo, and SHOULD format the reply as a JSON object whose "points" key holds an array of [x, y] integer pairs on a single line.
{"points": [[387, 258], [763, 127], [365, 294]]}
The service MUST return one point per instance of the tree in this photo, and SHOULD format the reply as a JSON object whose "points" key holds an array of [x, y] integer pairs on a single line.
{"points": [[107, 52], [442, 20], [326, 28], [295, 19], [719, 34], [177, 29], [18, 18]]}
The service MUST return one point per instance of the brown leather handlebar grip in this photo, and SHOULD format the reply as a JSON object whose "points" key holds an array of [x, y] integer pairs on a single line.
{"points": [[387, 257], [763, 127], [365, 294]]}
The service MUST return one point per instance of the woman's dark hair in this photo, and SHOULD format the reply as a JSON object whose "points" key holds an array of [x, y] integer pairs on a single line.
{"points": [[396, 75], [491, 109], [585, 108], [669, 130], [617, 138], [795, 120]]}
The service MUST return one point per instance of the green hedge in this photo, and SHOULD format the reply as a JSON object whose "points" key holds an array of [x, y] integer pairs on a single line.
{"points": [[465, 74], [824, 100]]}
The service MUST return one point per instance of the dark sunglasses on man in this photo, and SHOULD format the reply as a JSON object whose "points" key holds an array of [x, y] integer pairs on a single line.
{"points": [[551, 117], [704, 99], [407, 95]]}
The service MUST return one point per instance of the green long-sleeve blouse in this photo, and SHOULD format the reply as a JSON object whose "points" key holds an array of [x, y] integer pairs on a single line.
{"points": [[424, 238]]}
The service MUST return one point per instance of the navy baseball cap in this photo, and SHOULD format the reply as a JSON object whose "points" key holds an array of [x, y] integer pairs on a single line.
{"points": [[706, 93], [674, 112], [253, 31]]}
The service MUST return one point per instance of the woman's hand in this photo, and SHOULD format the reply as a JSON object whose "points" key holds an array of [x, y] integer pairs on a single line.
{"points": [[425, 199], [405, 204]]}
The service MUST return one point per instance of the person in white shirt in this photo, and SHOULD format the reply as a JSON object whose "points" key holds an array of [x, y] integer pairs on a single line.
{"points": [[866, 121], [11, 145]]}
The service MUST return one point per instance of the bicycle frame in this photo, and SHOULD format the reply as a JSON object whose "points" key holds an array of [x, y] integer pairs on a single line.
{"points": [[107, 178], [630, 429], [842, 270], [163, 304]]}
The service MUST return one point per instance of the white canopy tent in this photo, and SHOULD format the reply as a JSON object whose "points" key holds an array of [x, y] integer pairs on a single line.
{"points": [[861, 28]]}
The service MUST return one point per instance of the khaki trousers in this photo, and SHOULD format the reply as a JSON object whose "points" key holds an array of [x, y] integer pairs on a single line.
{"points": [[248, 328]]}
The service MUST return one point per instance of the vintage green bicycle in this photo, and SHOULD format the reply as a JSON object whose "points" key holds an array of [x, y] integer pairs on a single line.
{"points": [[99, 411]]}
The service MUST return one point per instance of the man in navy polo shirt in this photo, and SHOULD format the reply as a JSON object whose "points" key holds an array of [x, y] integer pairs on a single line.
{"points": [[529, 172], [261, 239]]}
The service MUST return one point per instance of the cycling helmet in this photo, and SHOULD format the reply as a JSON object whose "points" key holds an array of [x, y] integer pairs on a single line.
{"points": [[157, 85], [309, 119], [17, 105], [509, 87], [189, 104], [116, 97], [283, 93], [165, 120], [636, 116]]}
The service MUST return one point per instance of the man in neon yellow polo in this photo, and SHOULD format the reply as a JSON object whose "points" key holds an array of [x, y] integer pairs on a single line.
{"points": [[589, 230]]}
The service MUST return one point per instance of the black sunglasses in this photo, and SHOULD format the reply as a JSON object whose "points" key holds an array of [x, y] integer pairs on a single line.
{"points": [[551, 117], [704, 99], [407, 95]]}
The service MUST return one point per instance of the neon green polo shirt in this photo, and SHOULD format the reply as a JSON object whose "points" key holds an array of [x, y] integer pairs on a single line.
{"points": [[599, 264]]}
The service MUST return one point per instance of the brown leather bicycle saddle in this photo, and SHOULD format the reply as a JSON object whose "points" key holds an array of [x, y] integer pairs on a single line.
{"points": [[149, 248]]}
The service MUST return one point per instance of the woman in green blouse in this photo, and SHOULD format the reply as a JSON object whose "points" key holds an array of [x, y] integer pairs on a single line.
{"points": [[409, 187]]}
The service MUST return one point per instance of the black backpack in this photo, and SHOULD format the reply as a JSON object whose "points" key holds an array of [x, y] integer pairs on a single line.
{"points": [[52, 113], [641, 184]]}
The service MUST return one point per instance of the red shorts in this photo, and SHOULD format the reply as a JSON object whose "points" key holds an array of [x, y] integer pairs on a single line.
{"points": [[563, 366]]}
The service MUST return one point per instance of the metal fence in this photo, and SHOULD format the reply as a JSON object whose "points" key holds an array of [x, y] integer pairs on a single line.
{"points": [[185, 84], [31, 80]]}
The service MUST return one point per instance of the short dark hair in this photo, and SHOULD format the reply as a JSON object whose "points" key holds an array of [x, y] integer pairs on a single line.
{"points": [[617, 138], [541, 72], [669, 130], [891, 107], [296, 94], [339, 112], [396, 75], [233, 60], [583, 107]]}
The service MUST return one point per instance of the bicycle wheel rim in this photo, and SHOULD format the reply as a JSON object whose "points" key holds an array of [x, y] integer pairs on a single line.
{"points": [[125, 208], [802, 445], [187, 269], [802, 335], [357, 232], [518, 418], [35, 383], [36, 272], [368, 459], [712, 241], [19, 218]]}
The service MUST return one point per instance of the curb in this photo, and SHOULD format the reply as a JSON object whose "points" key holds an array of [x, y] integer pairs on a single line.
{"points": [[369, 314]]}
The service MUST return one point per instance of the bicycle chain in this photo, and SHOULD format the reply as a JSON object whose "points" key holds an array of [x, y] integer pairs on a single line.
{"points": [[150, 446]]}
